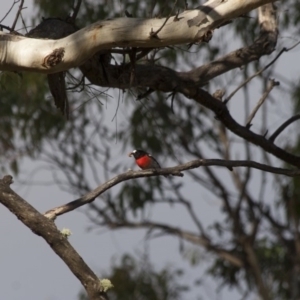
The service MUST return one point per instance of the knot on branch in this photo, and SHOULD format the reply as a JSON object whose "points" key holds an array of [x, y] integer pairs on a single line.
{"points": [[153, 34], [207, 36], [54, 58], [7, 180], [218, 94], [5, 183]]}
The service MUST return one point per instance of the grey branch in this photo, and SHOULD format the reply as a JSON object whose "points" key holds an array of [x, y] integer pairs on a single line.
{"points": [[260, 71], [17, 15], [45, 228], [271, 85], [176, 171], [283, 126], [220, 109], [186, 235]]}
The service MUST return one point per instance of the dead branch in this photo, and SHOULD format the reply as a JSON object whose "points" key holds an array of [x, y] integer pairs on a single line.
{"points": [[17, 15], [270, 87]]}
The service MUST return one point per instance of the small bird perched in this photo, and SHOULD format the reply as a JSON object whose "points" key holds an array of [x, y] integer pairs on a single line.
{"points": [[145, 160]]}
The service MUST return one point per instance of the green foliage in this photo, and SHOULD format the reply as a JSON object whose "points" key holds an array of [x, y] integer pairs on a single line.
{"points": [[27, 117], [229, 275]]}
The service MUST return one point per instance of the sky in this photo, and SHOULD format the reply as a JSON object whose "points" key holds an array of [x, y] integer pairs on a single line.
{"points": [[29, 269]]}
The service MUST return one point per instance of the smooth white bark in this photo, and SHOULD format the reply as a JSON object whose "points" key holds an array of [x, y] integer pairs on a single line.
{"points": [[26, 54]]}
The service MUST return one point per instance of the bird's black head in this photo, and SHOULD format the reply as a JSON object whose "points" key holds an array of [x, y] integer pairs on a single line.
{"points": [[137, 153]]}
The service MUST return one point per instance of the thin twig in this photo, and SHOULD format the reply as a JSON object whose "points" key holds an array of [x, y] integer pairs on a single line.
{"points": [[76, 10], [24, 24], [17, 15], [153, 34], [271, 85], [5, 27], [12, 6], [186, 235], [239, 182], [283, 126], [260, 71], [189, 208], [143, 53], [152, 9], [145, 94], [185, 5]]}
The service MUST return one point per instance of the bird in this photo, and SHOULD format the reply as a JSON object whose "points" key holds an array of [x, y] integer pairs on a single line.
{"points": [[145, 160]]}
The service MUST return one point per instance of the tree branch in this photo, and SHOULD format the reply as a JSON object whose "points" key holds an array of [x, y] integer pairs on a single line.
{"points": [[283, 126], [8, 12], [261, 70], [175, 171], [219, 108], [191, 27], [270, 87], [17, 15], [75, 11], [186, 235], [167, 80], [45, 228]]}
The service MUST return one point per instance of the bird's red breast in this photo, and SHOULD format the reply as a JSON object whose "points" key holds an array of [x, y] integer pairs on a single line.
{"points": [[144, 162]]}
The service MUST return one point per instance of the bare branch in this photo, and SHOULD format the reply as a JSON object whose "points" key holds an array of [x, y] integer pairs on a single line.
{"points": [[45, 228], [271, 85], [10, 9], [17, 15], [219, 108], [186, 235], [283, 126], [154, 34], [175, 171], [260, 71]]}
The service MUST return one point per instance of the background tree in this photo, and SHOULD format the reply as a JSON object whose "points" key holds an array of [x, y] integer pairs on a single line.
{"points": [[254, 243]]}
